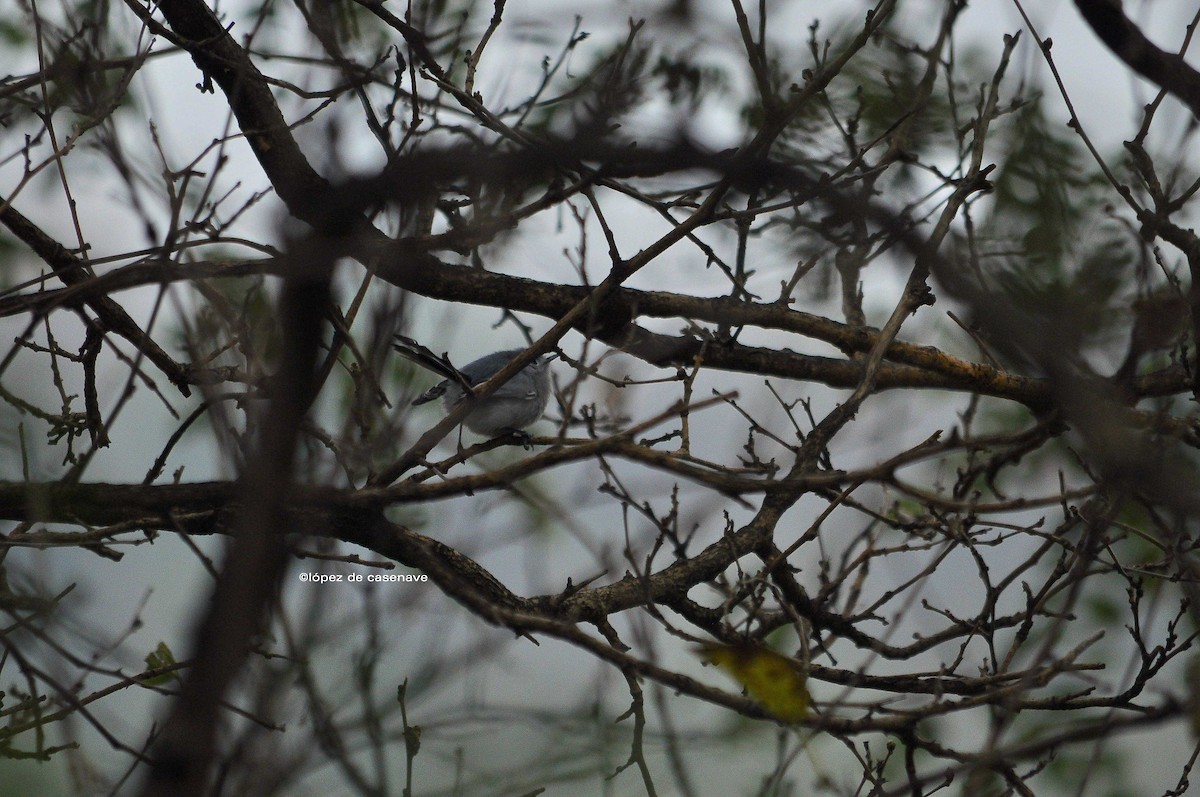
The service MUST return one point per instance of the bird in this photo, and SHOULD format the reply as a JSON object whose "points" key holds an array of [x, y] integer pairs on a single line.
{"points": [[513, 406]]}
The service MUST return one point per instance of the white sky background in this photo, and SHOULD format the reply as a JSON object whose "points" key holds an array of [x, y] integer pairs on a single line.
{"points": [[1106, 97]]}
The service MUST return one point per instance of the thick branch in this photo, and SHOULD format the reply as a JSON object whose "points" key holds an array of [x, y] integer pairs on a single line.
{"points": [[1167, 70]]}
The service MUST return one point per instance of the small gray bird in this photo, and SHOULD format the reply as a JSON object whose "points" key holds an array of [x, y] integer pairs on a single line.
{"points": [[516, 404]]}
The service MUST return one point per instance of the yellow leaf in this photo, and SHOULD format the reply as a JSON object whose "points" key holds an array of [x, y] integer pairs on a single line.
{"points": [[775, 682]]}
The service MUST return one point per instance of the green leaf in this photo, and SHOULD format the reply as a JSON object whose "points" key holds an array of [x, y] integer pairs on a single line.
{"points": [[156, 659]]}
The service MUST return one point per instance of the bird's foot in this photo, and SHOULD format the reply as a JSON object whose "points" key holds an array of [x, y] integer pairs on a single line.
{"points": [[523, 436]]}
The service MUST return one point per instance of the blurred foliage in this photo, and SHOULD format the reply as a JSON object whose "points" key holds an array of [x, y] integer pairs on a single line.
{"points": [[1045, 185], [12, 32], [689, 82], [238, 319]]}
